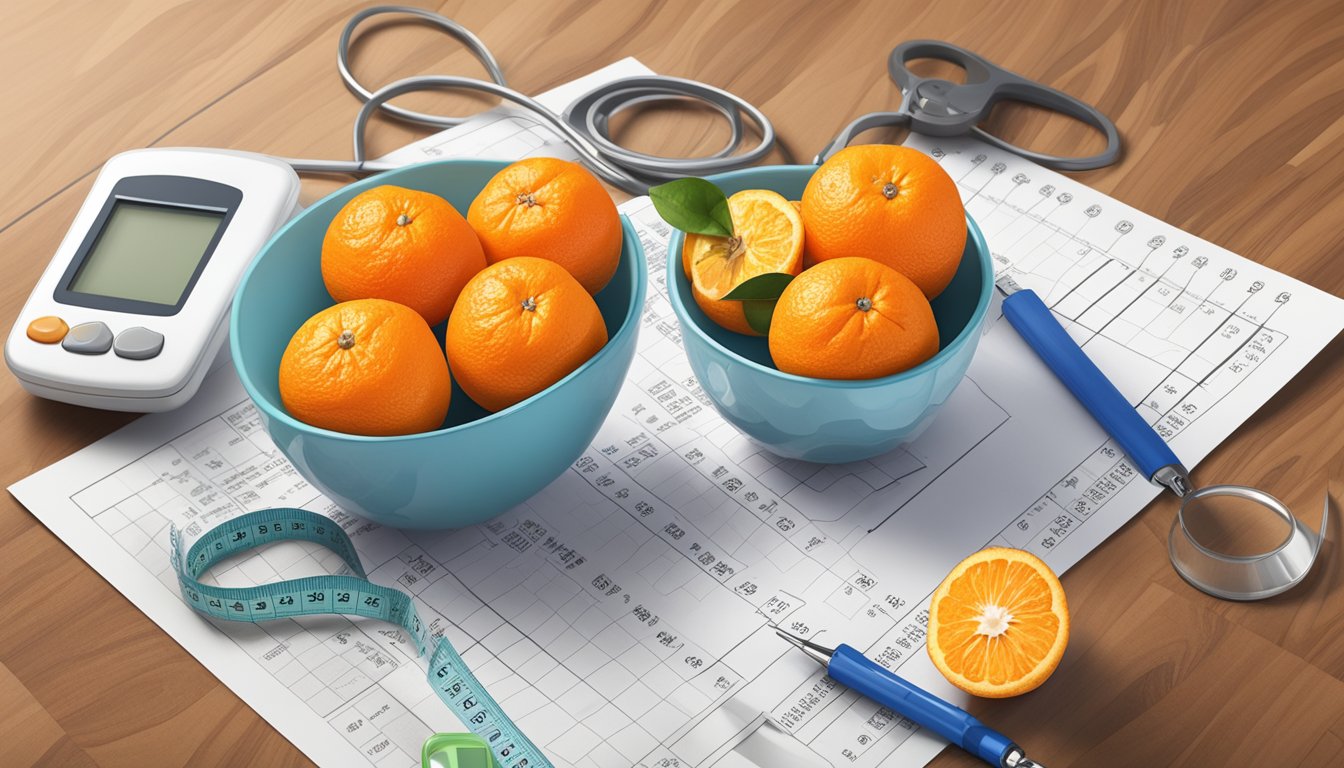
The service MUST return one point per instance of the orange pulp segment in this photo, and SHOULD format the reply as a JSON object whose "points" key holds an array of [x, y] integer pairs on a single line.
{"points": [[998, 623]]}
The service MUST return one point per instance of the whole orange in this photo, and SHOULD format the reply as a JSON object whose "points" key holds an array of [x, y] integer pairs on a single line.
{"points": [[551, 209], [851, 319], [366, 367], [891, 204], [520, 326], [403, 245]]}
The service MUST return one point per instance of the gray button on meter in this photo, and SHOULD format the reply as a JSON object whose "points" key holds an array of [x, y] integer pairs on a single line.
{"points": [[138, 343], [88, 339]]}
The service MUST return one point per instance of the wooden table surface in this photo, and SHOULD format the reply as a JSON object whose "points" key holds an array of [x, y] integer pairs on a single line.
{"points": [[1233, 116]]}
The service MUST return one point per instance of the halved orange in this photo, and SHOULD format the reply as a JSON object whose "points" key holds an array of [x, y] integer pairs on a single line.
{"points": [[808, 261], [998, 623], [768, 237]]}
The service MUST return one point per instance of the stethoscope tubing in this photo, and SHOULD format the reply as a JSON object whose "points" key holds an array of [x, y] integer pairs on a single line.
{"points": [[584, 125]]}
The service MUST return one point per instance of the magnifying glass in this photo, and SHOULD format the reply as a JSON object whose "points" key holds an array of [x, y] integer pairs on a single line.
{"points": [[1200, 534], [1193, 544]]}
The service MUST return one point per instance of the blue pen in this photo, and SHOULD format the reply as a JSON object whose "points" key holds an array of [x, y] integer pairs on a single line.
{"points": [[854, 670]]}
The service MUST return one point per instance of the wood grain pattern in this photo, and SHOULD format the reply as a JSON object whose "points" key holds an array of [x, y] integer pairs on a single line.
{"points": [[1233, 113]]}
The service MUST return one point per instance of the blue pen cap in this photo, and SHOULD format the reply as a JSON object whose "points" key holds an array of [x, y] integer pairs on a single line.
{"points": [[990, 745]]}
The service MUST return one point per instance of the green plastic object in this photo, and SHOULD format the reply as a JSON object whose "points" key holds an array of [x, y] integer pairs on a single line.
{"points": [[456, 750]]}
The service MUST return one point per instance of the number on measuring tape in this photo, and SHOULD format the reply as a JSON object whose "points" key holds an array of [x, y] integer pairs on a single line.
{"points": [[350, 595]]}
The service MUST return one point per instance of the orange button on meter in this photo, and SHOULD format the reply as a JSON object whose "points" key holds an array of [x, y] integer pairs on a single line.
{"points": [[48, 330]]}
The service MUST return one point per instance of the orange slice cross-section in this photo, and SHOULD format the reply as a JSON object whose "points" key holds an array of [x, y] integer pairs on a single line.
{"points": [[998, 623]]}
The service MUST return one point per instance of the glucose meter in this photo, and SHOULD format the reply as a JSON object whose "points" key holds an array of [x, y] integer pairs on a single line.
{"points": [[132, 310]]}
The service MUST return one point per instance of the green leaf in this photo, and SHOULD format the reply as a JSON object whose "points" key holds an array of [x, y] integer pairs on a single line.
{"points": [[693, 205], [759, 312], [767, 286]]}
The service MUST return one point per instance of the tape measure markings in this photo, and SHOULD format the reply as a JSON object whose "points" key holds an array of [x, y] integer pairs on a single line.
{"points": [[347, 595]]}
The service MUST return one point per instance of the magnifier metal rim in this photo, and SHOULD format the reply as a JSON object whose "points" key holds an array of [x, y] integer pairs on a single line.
{"points": [[1243, 492]]}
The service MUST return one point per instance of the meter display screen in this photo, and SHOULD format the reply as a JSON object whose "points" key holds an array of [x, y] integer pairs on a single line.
{"points": [[147, 252]]}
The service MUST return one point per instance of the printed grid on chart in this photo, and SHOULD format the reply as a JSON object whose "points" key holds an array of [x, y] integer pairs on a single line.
{"points": [[576, 697], [343, 669], [216, 470], [642, 465], [1129, 288], [1150, 307], [675, 416], [1128, 302], [589, 698]]}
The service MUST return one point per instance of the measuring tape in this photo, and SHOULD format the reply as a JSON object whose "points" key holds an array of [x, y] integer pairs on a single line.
{"points": [[352, 595]]}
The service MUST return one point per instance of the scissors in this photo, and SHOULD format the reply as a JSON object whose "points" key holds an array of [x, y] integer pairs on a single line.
{"points": [[936, 107]]}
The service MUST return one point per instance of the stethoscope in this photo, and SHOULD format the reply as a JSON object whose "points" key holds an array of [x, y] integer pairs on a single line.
{"points": [[584, 124], [930, 106], [937, 107]]}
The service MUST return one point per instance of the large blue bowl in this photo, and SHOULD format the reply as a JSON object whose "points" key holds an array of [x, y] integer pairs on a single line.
{"points": [[478, 464], [825, 420]]}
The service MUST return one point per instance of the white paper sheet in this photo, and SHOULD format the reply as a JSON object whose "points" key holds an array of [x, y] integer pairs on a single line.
{"points": [[630, 626]]}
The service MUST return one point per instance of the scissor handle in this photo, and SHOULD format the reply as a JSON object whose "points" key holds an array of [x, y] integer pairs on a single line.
{"points": [[978, 70], [941, 108]]}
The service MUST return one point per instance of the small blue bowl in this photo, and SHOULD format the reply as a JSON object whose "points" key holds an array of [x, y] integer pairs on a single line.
{"points": [[478, 464], [827, 420]]}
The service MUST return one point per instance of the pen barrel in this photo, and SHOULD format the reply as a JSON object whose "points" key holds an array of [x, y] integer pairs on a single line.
{"points": [[1034, 322], [859, 673]]}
